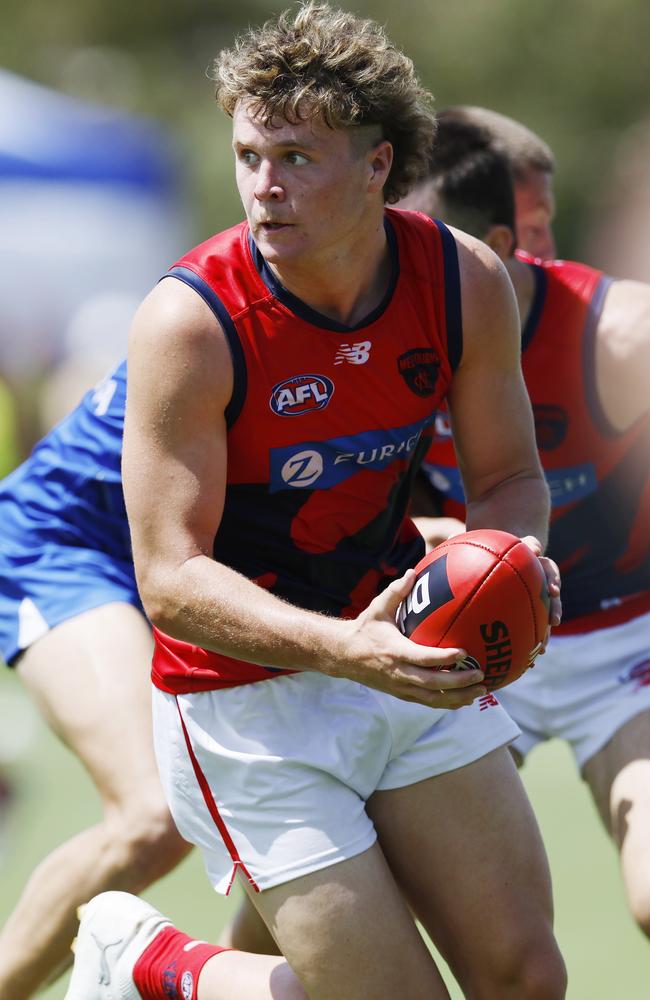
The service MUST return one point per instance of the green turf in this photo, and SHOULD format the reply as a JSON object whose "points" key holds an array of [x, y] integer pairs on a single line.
{"points": [[607, 957]]}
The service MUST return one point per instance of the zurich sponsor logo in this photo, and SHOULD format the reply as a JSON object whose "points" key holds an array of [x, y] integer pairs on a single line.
{"points": [[327, 463], [302, 469], [301, 394]]}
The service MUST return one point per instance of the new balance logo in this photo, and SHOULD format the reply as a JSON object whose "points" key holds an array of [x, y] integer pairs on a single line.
{"points": [[486, 701], [353, 354]]}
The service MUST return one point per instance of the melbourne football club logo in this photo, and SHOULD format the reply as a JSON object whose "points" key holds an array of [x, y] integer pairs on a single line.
{"points": [[419, 368], [353, 354], [301, 394], [550, 426]]}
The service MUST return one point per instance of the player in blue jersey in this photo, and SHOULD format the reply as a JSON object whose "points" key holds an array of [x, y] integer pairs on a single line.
{"points": [[586, 362], [72, 626]]}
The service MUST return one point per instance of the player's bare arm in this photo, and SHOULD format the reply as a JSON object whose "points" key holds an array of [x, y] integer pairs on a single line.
{"points": [[490, 410], [174, 470], [623, 353]]}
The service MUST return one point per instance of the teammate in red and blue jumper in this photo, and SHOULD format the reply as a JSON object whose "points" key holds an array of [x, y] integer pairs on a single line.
{"points": [[586, 362]]}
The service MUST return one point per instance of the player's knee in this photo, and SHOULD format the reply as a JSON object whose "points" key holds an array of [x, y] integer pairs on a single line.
{"points": [[533, 971], [545, 977], [285, 984], [151, 842]]}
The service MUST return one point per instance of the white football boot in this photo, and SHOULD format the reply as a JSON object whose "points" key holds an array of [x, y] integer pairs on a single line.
{"points": [[115, 929]]}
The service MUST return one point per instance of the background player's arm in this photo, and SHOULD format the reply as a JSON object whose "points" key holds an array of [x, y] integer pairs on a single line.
{"points": [[174, 471], [623, 353]]}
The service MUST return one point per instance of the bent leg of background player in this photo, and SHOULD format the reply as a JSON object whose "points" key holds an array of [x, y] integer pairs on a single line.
{"points": [[619, 779], [467, 852], [90, 678]]}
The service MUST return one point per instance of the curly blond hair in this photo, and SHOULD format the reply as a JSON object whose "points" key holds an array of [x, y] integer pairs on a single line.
{"points": [[322, 62]]}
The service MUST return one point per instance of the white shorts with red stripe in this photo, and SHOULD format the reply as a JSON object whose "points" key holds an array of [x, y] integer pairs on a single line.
{"points": [[272, 778], [583, 689]]}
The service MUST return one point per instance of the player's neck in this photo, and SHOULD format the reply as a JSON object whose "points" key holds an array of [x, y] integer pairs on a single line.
{"points": [[523, 284], [343, 286]]}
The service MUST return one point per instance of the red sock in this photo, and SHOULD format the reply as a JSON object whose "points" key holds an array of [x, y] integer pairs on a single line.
{"points": [[166, 970]]}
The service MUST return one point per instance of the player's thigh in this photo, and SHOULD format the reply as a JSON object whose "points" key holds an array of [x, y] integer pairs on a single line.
{"points": [[619, 779], [346, 931], [466, 849], [90, 677]]}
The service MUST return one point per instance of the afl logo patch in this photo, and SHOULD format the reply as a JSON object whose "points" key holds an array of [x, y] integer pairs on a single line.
{"points": [[419, 368], [301, 394]]}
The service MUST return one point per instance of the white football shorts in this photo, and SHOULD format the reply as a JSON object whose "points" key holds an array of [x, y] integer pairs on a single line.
{"points": [[583, 689], [271, 778]]}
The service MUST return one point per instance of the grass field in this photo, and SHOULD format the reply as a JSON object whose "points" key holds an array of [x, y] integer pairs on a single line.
{"points": [[607, 957]]}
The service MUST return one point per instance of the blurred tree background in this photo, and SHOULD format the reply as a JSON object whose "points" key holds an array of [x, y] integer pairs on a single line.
{"points": [[578, 73]]}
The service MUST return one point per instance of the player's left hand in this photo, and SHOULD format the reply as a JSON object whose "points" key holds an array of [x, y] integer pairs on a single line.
{"points": [[553, 580]]}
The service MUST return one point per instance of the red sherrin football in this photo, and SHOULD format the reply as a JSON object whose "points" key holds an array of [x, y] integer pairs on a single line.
{"points": [[483, 591]]}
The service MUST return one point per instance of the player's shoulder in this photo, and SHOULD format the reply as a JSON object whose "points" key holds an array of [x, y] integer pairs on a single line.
{"points": [[488, 303], [623, 353], [624, 322], [229, 243], [476, 256], [178, 305], [476, 261], [484, 280], [575, 276], [174, 327], [629, 298]]}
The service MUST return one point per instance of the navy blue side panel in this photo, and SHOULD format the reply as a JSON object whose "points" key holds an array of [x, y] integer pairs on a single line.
{"points": [[453, 310], [210, 297], [589, 358], [539, 298]]}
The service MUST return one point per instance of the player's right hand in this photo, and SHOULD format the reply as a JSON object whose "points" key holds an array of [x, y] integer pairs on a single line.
{"points": [[375, 653]]}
